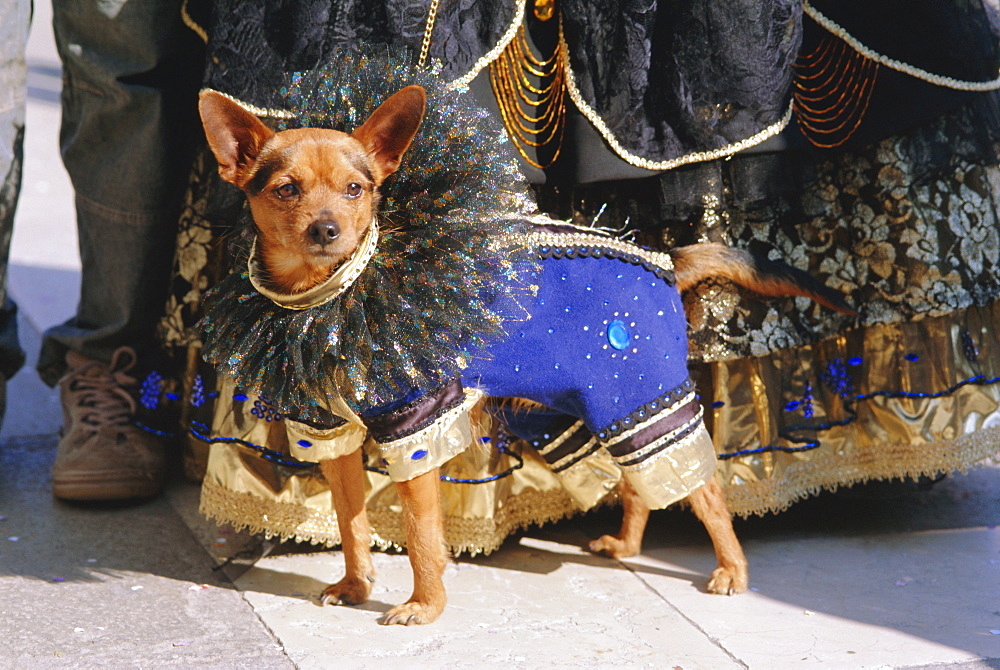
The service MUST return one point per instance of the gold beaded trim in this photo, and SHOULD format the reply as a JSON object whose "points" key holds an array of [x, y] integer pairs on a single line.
{"points": [[936, 79], [535, 116], [832, 89], [563, 240], [638, 161], [256, 111], [494, 53]]}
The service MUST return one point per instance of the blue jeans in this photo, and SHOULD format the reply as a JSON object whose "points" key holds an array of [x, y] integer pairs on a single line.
{"points": [[14, 18], [131, 71]]}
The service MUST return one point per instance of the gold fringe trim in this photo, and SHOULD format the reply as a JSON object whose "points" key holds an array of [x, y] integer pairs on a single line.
{"points": [[287, 521], [880, 461]]}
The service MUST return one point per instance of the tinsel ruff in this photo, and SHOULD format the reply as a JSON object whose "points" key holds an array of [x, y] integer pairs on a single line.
{"points": [[428, 300]]}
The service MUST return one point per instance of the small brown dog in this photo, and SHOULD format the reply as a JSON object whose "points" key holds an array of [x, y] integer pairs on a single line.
{"points": [[312, 194]]}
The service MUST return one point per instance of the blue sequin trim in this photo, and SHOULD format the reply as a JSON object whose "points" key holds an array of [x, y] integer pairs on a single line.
{"points": [[794, 434], [647, 411], [201, 432], [592, 251]]}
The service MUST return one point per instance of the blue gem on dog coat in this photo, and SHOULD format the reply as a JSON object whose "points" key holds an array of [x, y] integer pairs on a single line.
{"points": [[618, 335]]}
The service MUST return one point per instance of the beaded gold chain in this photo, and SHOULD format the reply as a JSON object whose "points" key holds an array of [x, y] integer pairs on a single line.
{"points": [[534, 115], [425, 45], [832, 89], [936, 79]]}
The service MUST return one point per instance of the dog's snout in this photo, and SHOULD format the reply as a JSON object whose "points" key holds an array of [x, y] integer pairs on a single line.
{"points": [[324, 231]]}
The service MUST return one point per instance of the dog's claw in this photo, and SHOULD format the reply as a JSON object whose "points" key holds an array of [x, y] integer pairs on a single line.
{"points": [[613, 546], [728, 581], [348, 591], [412, 613]]}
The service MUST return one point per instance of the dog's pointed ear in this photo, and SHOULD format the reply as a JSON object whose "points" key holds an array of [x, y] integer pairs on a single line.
{"points": [[234, 135], [388, 132]]}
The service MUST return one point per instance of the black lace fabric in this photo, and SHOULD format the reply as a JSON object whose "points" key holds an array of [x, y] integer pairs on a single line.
{"points": [[907, 228], [252, 42], [670, 78]]}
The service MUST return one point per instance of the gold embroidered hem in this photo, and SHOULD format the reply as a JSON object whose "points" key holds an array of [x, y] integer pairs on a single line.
{"points": [[830, 471], [887, 402]]}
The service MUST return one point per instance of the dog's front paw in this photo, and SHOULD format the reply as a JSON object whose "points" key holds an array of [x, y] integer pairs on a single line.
{"points": [[411, 613], [729, 580], [615, 547], [348, 591]]}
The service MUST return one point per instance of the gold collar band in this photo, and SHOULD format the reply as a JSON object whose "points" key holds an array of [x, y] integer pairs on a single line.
{"points": [[339, 281]]}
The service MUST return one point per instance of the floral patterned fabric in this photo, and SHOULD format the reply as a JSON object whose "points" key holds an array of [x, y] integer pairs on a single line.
{"points": [[908, 228]]}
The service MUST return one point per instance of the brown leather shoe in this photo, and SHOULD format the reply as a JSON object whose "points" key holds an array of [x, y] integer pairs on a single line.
{"points": [[102, 455]]}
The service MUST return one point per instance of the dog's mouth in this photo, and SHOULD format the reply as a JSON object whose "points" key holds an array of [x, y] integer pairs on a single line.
{"points": [[344, 271], [329, 248]]}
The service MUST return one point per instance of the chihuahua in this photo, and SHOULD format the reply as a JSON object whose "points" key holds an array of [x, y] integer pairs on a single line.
{"points": [[313, 194]]}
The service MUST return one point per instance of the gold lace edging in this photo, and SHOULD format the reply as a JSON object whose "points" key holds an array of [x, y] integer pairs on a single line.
{"points": [[892, 401], [878, 462], [288, 521]]}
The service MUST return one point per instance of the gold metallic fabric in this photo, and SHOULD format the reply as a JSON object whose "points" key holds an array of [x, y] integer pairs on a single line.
{"points": [[759, 401]]}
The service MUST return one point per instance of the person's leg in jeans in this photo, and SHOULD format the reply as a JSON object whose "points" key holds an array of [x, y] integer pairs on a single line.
{"points": [[14, 18], [130, 77]]}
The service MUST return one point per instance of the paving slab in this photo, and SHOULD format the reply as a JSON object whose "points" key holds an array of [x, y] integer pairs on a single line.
{"points": [[533, 604], [100, 586], [896, 600]]}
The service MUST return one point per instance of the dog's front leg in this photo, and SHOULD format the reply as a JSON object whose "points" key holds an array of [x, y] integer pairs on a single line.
{"points": [[346, 478], [421, 498], [709, 505]]}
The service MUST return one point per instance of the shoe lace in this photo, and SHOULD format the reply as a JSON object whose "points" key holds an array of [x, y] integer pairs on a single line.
{"points": [[101, 387]]}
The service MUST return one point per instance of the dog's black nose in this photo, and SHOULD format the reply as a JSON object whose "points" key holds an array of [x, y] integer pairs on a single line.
{"points": [[324, 232]]}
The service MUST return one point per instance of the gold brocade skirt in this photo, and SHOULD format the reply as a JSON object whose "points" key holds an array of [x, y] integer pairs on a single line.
{"points": [[894, 401]]}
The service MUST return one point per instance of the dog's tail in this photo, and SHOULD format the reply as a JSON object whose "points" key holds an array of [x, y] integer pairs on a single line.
{"points": [[694, 263]]}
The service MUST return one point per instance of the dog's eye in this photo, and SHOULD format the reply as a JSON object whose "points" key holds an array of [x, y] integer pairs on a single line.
{"points": [[287, 191], [354, 190]]}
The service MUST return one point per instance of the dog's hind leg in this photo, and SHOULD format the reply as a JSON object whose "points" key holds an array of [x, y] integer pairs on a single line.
{"points": [[628, 541], [421, 498], [346, 478], [709, 506]]}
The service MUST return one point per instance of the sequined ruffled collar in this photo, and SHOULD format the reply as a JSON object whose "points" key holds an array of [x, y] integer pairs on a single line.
{"points": [[428, 297]]}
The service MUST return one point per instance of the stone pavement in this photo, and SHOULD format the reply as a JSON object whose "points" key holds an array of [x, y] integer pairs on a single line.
{"points": [[873, 578]]}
